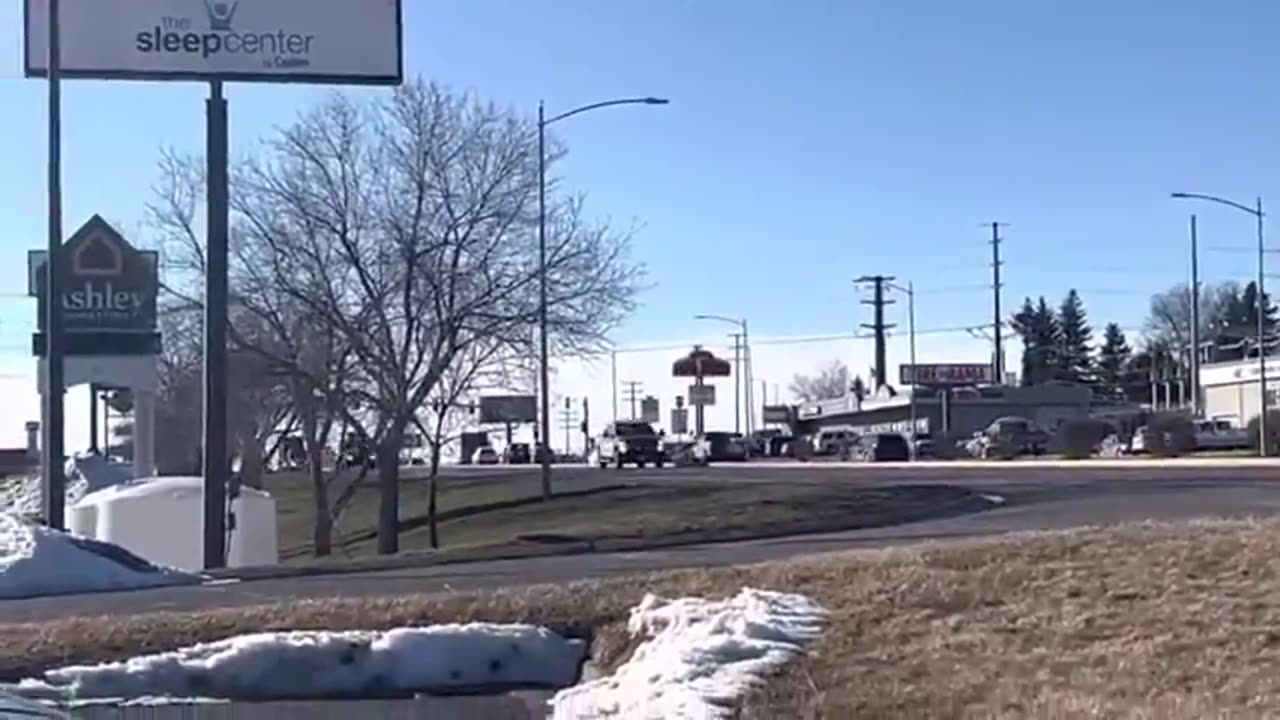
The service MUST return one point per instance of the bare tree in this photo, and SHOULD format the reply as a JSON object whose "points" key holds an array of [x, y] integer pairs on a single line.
{"points": [[831, 381], [477, 367], [260, 410], [1169, 318], [405, 228]]}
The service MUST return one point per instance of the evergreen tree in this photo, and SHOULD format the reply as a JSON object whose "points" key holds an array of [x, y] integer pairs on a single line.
{"points": [[1114, 358], [1037, 325], [1073, 360]]}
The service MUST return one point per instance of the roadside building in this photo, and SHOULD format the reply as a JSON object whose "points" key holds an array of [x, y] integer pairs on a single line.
{"points": [[957, 411], [1230, 389]]}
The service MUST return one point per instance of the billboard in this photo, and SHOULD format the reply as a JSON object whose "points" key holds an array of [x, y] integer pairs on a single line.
{"points": [[649, 411], [777, 414], [679, 421], [333, 41], [702, 395], [946, 374], [502, 409]]}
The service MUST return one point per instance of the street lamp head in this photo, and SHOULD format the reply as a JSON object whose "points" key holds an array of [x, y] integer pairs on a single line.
{"points": [[1179, 195], [656, 101]]}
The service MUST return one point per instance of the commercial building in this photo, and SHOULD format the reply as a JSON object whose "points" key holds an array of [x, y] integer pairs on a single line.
{"points": [[1230, 389], [961, 410]]}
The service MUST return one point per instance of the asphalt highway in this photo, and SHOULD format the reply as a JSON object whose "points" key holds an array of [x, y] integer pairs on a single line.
{"points": [[1036, 496]]}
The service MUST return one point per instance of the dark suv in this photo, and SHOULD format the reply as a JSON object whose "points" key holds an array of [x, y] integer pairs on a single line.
{"points": [[630, 441]]}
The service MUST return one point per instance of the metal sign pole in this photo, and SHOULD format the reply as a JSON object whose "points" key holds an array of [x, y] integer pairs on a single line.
{"points": [[214, 460], [54, 480]]}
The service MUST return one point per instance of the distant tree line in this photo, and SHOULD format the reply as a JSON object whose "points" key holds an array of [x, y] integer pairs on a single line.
{"points": [[1057, 342]]}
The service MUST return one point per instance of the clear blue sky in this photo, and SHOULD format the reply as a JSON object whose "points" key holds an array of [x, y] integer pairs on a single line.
{"points": [[806, 143]]}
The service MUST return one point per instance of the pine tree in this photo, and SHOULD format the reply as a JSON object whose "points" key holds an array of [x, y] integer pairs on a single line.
{"points": [[1114, 358], [1037, 325], [1073, 362]]}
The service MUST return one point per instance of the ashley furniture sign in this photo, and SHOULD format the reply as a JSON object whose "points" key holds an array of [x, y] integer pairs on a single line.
{"points": [[108, 285], [316, 41]]}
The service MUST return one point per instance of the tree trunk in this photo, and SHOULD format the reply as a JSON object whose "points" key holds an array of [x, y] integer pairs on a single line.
{"points": [[388, 459], [252, 462], [322, 532]]}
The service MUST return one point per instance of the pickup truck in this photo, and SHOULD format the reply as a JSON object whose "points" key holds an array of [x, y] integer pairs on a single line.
{"points": [[629, 441]]}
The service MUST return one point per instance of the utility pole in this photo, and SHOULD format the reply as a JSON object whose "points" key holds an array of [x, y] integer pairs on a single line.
{"points": [[1195, 322], [997, 362], [878, 325], [613, 381], [748, 385], [586, 427], [737, 382], [632, 394]]}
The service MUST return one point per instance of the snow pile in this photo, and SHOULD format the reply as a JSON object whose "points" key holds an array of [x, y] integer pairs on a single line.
{"points": [[35, 561], [699, 658], [317, 664]]}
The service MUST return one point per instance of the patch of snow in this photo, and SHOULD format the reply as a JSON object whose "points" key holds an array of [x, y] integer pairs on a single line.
{"points": [[700, 657], [318, 664], [994, 499], [36, 560]]}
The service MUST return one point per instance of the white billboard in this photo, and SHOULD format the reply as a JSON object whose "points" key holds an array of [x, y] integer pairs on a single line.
{"points": [[309, 41]]}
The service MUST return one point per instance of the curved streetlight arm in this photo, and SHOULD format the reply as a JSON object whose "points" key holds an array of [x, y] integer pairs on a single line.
{"points": [[721, 318], [606, 103], [1214, 199]]}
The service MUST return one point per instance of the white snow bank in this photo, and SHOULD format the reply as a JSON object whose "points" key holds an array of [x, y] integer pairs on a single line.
{"points": [[329, 664], [35, 561], [700, 657]]}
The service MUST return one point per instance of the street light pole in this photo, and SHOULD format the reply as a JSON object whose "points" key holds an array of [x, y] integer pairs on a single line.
{"points": [[1258, 214], [544, 363], [544, 360], [1195, 320], [911, 331], [1262, 337], [744, 358]]}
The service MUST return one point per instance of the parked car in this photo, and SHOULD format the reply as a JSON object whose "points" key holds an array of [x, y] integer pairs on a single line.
{"points": [[922, 445], [726, 446], [829, 441], [1221, 434], [485, 456], [1026, 437], [630, 441], [884, 447], [518, 454]]}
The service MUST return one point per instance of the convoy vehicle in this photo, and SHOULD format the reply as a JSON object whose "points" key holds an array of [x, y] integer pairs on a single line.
{"points": [[485, 456], [883, 447], [629, 441]]}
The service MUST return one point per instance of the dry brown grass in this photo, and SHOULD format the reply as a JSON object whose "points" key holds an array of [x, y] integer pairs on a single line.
{"points": [[1134, 622]]}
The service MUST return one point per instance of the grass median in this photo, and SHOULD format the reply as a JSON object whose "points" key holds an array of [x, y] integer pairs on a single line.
{"points": [[1139, 621], [503, 515]]}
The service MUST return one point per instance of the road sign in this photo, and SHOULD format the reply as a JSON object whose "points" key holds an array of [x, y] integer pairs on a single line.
{"points": [[946, 374], [679, 421], [649, 411], [702, 395]]}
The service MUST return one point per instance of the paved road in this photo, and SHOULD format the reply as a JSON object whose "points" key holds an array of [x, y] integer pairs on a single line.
{"points": [[1037, 496]]}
